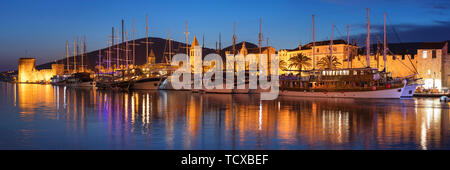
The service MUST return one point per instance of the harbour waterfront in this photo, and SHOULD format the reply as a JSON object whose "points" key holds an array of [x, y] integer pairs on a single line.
{"points": [[35, 116]]}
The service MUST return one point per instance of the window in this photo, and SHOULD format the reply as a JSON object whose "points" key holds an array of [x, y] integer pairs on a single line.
{"points": [[433, 54], [393, 57], [429, 71], [424, 54], [403, 56]]}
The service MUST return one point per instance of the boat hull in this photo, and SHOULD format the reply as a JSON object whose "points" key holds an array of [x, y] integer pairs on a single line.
{"points": [[88, 84], [148, 85], [409, 90], [394, 93]]}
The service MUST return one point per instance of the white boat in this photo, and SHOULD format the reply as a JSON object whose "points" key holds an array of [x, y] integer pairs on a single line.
{"points": [[394, 93], [81, 80], [351, 82], [409, 90], [151, 83]]}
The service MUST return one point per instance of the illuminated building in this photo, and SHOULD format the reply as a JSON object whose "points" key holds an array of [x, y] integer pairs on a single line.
{"points": [[255, 51], [428, 59], [322, 49], [29, 74], [434, 65], [151, 58], [195, 54]]}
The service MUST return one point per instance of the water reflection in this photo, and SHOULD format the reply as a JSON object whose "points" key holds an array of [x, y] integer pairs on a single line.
{"points": [[91, 119]]}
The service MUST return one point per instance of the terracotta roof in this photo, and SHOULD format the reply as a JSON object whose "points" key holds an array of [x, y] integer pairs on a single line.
{"points": [[318, 43], [194, 42], [404, 48], [432, 45]]}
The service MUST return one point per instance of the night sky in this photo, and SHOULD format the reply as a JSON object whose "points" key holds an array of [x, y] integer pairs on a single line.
{"points": [[41, 28]]}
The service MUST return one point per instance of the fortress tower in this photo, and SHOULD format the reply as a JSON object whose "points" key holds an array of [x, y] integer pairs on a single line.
{"points": [[26, 69]]}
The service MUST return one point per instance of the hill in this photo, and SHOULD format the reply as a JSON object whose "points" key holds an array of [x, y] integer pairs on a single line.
{"points": [[159, 46]]}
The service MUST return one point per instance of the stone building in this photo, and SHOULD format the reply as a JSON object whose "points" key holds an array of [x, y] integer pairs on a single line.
{"points": [[427, 60], [434, 65], [322, 49], [267, 51], [29, 74], [195, 55]]}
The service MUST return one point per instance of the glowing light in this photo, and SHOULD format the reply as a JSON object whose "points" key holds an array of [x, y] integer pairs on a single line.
{"points": [[433, 83]]}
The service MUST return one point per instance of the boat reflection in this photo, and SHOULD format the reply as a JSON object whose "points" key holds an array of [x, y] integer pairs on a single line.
{"points": [[185, 120]]}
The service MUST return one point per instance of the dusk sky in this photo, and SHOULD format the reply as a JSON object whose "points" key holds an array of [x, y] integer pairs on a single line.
{"points": [[41, 28]]}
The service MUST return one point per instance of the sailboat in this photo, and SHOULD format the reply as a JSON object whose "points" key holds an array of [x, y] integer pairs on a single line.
{"points": [[154, 74], [350, 82], [80, 78], [61, 80]]}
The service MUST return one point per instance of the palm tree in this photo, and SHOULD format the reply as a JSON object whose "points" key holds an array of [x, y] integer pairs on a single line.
{"points": [[324, 62], [283, 65], [299, 61]]}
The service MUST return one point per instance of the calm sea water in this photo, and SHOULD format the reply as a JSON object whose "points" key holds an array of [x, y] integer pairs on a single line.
{"points": [[47, 117]]}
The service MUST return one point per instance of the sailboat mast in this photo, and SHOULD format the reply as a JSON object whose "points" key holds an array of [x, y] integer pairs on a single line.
{"points": [[146, 38], [108, 54], [126, 49], [234, 38], [118, 52], [74, 54], [82, 55], [260, 36], [368, 40], [67, 56], [134, 44], [112, 48], [170, 48], [99, 61], [187, 39], [331, 46], [268, 58], [348, 46], [314, 44], [85, 49], [384, 43]]}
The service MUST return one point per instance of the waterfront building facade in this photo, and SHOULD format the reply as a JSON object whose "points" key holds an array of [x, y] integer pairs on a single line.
{"points": [[322, 50], [427, 60]]}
